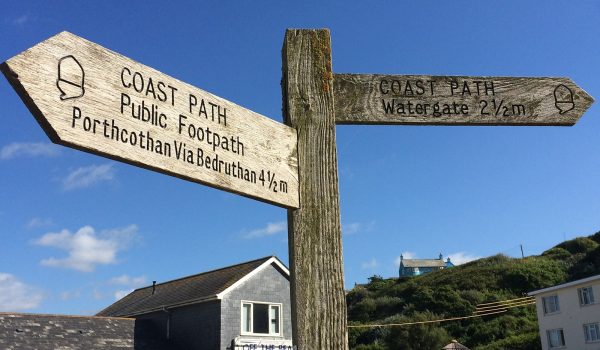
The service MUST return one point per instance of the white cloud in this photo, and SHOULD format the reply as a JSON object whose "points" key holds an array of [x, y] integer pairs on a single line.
{"points": [[130, 282], [31, 149], [356, 227], [462, 257], [85, 248], [126, 280], [69, 294], [369, 265], [97, 294], [349, 229], [405, 255], [271, 229], [16, 295], [120, 294], [39, 222], [20, 20], [88, 176]]}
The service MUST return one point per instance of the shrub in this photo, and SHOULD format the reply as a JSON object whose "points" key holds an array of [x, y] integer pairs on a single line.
{"points": [[579, 245]]}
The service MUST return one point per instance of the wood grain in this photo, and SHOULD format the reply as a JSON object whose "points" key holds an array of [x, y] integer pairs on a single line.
{"points": [[317, 283], [67, 81], [385, 99]]}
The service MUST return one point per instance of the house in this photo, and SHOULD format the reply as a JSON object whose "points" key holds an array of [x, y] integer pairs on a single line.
{"points": [[416, 267], [244, 306], [569, 314]]}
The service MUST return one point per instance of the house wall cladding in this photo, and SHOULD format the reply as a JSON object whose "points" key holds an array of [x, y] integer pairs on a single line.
{"points": [[191, 327], [51, 332], [269, 285]]}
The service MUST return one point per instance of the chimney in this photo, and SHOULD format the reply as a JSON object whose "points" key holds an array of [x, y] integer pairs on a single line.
{"points": [[153, 287]]}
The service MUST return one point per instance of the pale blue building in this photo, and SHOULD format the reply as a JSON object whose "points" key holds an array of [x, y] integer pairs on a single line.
{"points": [[416, 267]]}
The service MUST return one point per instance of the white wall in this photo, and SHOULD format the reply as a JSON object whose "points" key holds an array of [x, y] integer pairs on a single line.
{"points": [[571, 316]]}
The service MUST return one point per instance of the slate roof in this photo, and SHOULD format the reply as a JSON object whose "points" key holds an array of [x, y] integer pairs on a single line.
{"points": [[50, 332], [454, 345], [423, 263], [187, 290]]}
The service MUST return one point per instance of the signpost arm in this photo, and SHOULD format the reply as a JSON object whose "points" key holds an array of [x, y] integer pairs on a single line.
{"points": [[317, 277]]}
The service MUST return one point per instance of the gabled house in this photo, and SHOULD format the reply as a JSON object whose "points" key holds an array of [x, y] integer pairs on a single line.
{"points": [[244, 306], [416, 267]]}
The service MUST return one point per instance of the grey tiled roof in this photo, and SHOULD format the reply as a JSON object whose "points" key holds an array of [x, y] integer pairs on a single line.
{"points": [[49, 332], [423, 263], [196, 288]]}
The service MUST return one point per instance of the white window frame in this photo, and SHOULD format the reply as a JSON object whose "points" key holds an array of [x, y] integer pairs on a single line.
{"points": [[588, 334], [251, 303], [545, 305], [548, 332], [589, 292]]}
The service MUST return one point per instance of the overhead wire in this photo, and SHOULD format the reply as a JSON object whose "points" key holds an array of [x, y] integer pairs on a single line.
{"points": [[490, 312]]}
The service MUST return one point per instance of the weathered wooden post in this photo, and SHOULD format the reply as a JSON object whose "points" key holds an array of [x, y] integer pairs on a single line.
{"points": [[315, 245]]}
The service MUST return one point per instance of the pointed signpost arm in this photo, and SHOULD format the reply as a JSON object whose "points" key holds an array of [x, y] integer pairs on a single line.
{"points": [[457, 100], [317, 282]]}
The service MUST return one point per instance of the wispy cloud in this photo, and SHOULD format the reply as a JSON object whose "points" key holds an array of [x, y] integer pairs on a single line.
{"points": [[39, 222], [351, 228], [126, 280], [28, 149], [16, 295], [21, 20], [356, 227], [130, 282], [120, 294], [85, 248], [462, 258], [88, 176], [69, 295], [271, 229], [369, 265]]}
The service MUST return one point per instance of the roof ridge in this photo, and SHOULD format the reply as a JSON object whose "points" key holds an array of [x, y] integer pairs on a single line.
{"points": [[144, 298], [7, 313], [210, 271]]}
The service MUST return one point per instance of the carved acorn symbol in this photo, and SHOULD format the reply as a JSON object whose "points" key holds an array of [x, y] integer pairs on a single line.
{"points": [[70, 78], [563, 99]]}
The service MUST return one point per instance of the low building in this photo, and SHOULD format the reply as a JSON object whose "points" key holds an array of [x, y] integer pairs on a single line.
{"points": [[569, 315], [416, 267], [244, 306]]}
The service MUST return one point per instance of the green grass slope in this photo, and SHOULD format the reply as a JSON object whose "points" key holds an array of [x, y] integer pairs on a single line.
{"points": [[455, 292]]}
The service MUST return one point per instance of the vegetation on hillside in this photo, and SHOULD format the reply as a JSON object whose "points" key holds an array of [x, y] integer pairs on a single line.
{"points": [[456, 292]]}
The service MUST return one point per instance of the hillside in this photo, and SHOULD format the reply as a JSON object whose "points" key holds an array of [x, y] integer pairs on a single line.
{"points": [[456, 291]]}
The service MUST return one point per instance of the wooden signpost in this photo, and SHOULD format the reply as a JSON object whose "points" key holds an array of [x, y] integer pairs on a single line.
{"points": [[315, 100], [454, 100], [90, 98]]}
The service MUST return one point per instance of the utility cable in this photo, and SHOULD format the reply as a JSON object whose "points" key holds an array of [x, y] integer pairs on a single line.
{"points": [[440, 320]]}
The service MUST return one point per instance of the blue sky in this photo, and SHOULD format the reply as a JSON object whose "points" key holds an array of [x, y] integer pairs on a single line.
{"points": [[78, 230]]}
